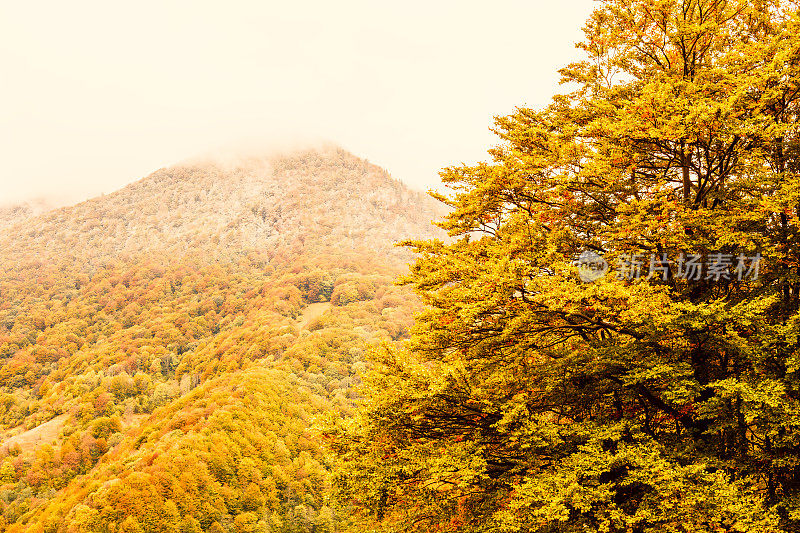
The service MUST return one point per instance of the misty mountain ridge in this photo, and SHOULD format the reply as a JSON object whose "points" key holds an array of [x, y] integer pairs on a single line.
{"points": [[306, 201]]}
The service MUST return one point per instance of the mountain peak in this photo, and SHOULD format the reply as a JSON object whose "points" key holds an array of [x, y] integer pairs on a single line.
{"points": [[310, 199]]}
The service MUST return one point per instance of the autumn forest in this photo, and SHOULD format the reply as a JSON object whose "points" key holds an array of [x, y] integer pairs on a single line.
{"points": [[595, 330]]}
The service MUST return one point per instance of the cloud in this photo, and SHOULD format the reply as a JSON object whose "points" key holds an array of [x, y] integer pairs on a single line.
{"points": [[103, 93]]}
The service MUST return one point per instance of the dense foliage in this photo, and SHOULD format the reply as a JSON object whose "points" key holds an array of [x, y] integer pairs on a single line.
{"points": [[167, 351], [531, 400]]}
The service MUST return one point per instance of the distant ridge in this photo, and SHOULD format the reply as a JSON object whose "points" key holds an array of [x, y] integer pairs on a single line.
{"points": [[308, 199]]}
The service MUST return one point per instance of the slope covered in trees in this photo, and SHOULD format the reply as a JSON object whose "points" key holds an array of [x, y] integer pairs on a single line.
{"points": [[534, 398], [158, 332], [268, 205], [15, 213]]}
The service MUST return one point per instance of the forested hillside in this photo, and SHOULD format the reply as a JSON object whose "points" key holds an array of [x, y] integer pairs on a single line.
{"points": [[168, 351], [14, 213], [600, 334]]}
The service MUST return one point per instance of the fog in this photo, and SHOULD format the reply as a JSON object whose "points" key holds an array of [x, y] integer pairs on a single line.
{"points": [[98, 94]]}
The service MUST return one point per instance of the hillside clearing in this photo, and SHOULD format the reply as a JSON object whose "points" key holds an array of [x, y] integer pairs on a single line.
{"points": [[311, 312], [45, 433]]}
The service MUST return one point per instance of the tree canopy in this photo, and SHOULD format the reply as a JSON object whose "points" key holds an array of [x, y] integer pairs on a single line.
{"points": [[531, 400]]}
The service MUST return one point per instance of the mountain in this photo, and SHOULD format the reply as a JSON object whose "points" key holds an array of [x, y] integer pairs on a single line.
{"points": [[168, 351], [308, 200]]}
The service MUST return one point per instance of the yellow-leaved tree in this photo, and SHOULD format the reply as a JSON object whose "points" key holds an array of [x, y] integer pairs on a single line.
{"points": [[653, 386]]}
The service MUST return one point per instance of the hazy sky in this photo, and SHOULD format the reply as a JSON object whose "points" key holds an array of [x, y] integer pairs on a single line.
{"points": [[98, 94]]}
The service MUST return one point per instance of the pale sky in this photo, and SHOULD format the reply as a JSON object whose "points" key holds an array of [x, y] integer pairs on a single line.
{"points": [[97, 94]]}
